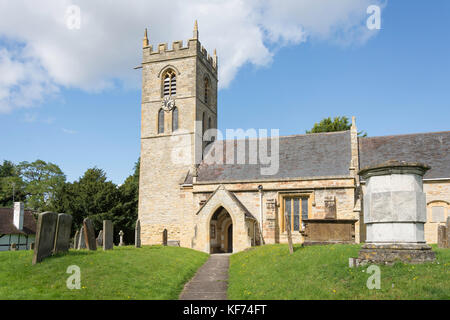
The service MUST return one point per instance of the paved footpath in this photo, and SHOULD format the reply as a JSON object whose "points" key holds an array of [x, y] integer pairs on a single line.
{"points": [[211, 280]]}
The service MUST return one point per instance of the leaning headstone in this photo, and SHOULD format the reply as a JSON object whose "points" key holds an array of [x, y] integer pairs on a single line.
{"points": [[13, 247], [81, 240], [45, 236], [164, 237], [121, 238], [100, 239], [76, 239], [89, 234], [62, 235], [442, 236], [137, 234], [107, 235]]}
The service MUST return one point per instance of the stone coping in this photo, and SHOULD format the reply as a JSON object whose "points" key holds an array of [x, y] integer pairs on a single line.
{"points": [[330, 220], [394, 167]]}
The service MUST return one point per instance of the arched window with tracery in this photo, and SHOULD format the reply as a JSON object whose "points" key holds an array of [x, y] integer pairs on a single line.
{"points": [[161, 121], [207, 89], [175, 119], [169, 83]]}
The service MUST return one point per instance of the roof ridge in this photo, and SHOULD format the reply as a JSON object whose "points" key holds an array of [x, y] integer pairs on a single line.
{"points": [[406, 134], [290, 136]]}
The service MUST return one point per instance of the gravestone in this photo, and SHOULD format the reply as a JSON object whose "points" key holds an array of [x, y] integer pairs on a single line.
{"points": [[100, 239], [62, 234], [45, 236], [164, 237], [289, 235], [442, 236], [89, 234], [108, 235], [137, 234], [76, 239], [121, 238], [81, 240], [13, 247]]}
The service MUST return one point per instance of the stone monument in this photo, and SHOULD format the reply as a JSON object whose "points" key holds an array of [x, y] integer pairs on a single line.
{"points": [[89, 234], [121, 238], [395, 214], [108, 243], [62, 235], [137, 234], [45, 236]]}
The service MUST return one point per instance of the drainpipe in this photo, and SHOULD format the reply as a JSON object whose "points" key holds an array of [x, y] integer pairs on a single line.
{"points": [[260, 189]]}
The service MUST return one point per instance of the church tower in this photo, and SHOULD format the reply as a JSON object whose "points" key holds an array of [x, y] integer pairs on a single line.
{"points": [[179, 103]]}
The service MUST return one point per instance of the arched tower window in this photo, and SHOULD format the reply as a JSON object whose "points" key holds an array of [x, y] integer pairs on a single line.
{"points": [[209, 123], [169, 83], [161, 121], [175, 119], [207, 88]]}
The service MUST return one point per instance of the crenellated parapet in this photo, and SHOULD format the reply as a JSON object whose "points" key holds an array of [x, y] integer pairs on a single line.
{"points": [[192, 48]]}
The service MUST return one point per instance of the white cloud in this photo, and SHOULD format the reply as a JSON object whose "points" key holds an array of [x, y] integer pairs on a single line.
{"points": [[68, 131], [108, 44]]}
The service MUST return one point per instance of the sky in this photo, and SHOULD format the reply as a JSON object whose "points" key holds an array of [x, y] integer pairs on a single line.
{"points": [[71, 96]]}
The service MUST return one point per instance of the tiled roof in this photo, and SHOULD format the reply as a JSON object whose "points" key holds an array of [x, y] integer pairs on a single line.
{"points": [[432, 149], [300, 156], [7, 226]]}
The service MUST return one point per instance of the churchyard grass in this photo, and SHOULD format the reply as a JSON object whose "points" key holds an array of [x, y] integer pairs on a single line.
{"points": [[322, 272], [150, 272]]}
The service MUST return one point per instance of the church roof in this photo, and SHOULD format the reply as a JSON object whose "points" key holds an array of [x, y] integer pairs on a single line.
{"points": [[432, 149], [300, 156]]}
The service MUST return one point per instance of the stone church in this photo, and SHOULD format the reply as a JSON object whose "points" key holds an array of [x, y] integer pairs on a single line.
{"points": [[206, 203]]}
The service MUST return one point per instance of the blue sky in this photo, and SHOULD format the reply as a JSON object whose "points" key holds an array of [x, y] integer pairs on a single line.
{"points": [[395, 82]]}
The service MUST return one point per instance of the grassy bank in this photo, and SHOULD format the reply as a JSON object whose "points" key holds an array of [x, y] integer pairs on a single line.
{"points": [[154, 272], [322, 272]]}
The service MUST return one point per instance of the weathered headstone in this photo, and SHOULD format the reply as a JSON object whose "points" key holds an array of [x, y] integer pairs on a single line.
{"points": [[164, 237], [137, 234], [121, 238], [107, 235], [62, 234], [81, 240], [76, 239], [13, 247], [89, 234], [45, 236], [100, 239], [442, 236]]}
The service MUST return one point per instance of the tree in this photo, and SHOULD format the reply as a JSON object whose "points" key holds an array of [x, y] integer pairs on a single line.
{"points": [[337, 124], [42, 180], [11, 184], [126, 211], [91, 196]]}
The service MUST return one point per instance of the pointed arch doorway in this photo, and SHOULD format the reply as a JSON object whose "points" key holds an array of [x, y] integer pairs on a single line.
{"points": [[221, 232]]}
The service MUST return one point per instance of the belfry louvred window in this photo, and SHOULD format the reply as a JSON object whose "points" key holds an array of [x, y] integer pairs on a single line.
{"points": [[170, 83]]}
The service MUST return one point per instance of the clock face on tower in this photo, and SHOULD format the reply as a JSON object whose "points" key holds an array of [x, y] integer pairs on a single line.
{"points": [[168, 103]]}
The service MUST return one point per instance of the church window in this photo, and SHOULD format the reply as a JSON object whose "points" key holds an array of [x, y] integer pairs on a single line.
{"points": [[161, 121], [209, 123], [296, 208], [175, 119], [169, 83]]}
